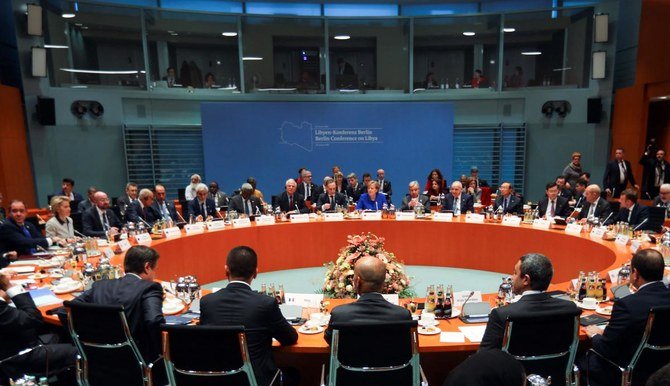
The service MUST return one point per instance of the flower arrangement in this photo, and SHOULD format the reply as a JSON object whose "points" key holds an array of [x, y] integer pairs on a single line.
{"points": [[339, 280]]}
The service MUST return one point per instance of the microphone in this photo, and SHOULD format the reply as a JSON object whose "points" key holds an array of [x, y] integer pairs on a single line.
{"points": [[608, 217], [41, 220], [578, 201], [180, 216], [463, 317], [640, 224], [79, 233], [145, 223], [648, 196], [613, 191], [376, 205]]}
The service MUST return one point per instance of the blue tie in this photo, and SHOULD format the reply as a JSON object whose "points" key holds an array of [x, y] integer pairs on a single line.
{"points": [[26, 232]]}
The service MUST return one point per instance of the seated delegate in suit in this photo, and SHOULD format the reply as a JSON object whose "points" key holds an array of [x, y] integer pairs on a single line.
{"points": [[67, 191], [373, 199], [563, 190], [553, 205], [124, 201], [623, 333], [369, 276], [238, 304], [594, 207], [89, 201], [220, 198], [507, 202], [579, 199], [290, 200], [100, 220], [488, 368], [631, 212], [331, 200], [663, 198], [414, 198], [20, 329], [531, 278], [618, 174], [306, 188], [17, 234], [457, 201], [473, 190], [354, 189], [163, 206], [321, 189], [202, 207], [474, 174], [384, 184], [142, 209], [245, 202], [139, 294], [60, 225]]}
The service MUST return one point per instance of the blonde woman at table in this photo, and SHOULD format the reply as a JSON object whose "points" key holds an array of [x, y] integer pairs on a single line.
{"points": [[372, 200], [60, 225]]}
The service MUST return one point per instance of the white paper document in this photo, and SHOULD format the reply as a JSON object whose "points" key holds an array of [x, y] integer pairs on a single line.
{"points": [[452, 337], [473, 333]]}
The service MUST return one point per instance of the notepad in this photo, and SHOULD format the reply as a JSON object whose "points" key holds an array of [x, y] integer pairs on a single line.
{"points": [[44, 297], [473, 333], [452, 337]]}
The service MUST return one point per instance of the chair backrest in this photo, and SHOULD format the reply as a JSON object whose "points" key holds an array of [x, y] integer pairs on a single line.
{"points": [[207, 355], [102, 337], [486, 196], [654, 349], [656, 218], [76, 222], [544, 342], [374, 353]]}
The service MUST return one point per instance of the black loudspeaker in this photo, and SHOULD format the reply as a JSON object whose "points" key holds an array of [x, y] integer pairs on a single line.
{"points": [[594, 110], [46, 111]]}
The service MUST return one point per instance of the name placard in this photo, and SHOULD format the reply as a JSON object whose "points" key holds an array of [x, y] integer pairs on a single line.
{"points": [[598, 233], [461, 296], [621, 240], [372, 215], [214, 225], [474, 218], [438, 216], [541, 223], [614, 276], [635, 245], [305, 300], [172, 232], [123, 245], [392, 298], [108, 252], [404, 216], [241, 222], [333, 217], [573, 229], [143, 239], [513, 221], [298, 218], [265, 220], [194, 228]]}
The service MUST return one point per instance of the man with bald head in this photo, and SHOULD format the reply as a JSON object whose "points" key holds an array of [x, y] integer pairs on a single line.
{"points": [[100, 220], [594, 207], [369, 276], [457, 201]]}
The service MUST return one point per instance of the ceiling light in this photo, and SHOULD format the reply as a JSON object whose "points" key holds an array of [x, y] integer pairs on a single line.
{"points": [[79, 86], [101, 72], [531, 53], [663, 97], [342, 37], [229, 34], [469, 33], [68, 15], [509, 29], [55, 46], [252, 58]]}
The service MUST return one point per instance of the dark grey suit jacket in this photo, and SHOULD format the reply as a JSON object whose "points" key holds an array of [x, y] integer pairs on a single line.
{"points": [[237, 204], [424, 200]]}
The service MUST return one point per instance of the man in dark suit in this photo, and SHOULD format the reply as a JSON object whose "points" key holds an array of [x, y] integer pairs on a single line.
{"points": [[507, 202], [553, 205], [474, 174], [306, 188], [19, 326], [532, 275], [563, 190], [631, 212], [163, 206], [67, 187], [238, 304], [578, 200], [384, 184], [624, 331], [457, 201], [142, 209], [89, 202], [415, 198], [369, 276], [330, 200], [17, 234], [344, 67], [289, 200], [594, 207], [246, 202], [663, 199], [656, 172], [202, 206], [99, 220], [139, 294], [354, 189], [126, 199], [618, 174]]}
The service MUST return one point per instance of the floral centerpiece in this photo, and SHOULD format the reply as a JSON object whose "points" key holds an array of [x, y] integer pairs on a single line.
{"points": [[339, 280]]}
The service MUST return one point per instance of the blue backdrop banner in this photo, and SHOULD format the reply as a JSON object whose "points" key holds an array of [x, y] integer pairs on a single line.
{"points": [[272, 140]]}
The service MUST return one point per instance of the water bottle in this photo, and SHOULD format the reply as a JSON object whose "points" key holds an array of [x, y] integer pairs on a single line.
{"points": [[457, 83]]}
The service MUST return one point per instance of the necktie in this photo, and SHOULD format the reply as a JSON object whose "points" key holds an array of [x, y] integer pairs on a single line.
{"points": [[332, 202], [166, 213], [505, 203], [247, 208], [105, 221], [26, 232], [630, 213], [553, 208], [308, 190], [622, 172], [202, 209], [457, 206], [290, 202]]}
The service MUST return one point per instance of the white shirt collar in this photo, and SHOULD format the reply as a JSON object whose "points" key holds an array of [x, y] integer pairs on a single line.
{"points": [[530, 292], [646, 284], [240, 281]]}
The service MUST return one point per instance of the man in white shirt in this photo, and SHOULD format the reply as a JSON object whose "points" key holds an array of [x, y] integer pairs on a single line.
{"points": [[100, 221], [190, 191]]}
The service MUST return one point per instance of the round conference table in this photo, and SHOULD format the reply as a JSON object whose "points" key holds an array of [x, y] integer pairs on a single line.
{"points": [[457, 244]]}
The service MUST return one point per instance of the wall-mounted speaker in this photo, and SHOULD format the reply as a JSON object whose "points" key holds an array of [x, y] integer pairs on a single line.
{"points": [[594, 110], [34, 20], [46, 111], [39, 59], [599, 65], [601, 27]]}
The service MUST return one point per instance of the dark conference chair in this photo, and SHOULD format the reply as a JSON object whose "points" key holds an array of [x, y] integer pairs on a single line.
{"points": [[545, 343], [207, 355], [652, 353], [375, 354], [109, 355]]}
